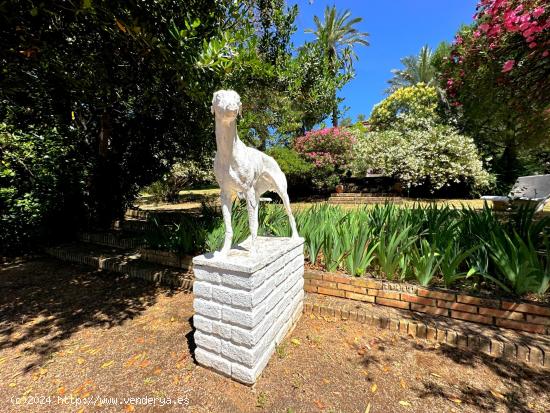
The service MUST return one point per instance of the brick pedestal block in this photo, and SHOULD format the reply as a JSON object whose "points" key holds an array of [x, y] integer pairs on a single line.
{"points": [[244, 306]]}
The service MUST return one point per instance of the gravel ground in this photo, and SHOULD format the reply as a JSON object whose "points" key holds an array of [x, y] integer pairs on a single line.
{"points": [[70, 336]]}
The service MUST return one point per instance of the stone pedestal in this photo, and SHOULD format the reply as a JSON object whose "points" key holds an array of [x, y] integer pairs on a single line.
{"points": [[244, 306]]}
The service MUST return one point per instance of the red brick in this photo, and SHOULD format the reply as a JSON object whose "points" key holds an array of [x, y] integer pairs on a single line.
{"points": [[452, 337], [482, 302], [521, 325], [523, 353], [367, 283], [392, 303], [526, 308], [457, 306], [359, 297], [537, 319], [336, 278], [322, 283], [384, 294], [436, 294], [471, 317], [497, 348], [431, 333], [510, 315], [536, 356], [313, 275], [418, 300], [412, 328], [351, 288], [429, 310], [310, 288], [331, 291]]}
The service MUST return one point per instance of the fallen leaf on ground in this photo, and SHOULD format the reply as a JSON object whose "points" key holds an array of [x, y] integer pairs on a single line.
{"points": [[172, 319], [320, 405], [130, 408], [296, 341], [497, 394], [367, 410], [373, 388], [80, 361], [436, 375], [61, 391], [403, 383], [457, 401], [107, 364], [12, 384], [404, 403]]}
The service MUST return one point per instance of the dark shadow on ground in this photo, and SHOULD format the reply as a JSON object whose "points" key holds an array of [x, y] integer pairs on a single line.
{"points": [[527, 380], [43, 302]]}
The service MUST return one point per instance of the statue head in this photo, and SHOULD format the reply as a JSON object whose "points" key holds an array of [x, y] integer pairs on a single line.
{"points": [[226, 104]]}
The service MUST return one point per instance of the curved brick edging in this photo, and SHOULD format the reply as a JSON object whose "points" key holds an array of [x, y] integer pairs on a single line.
{"points": [[524, 316], [498, 347]]}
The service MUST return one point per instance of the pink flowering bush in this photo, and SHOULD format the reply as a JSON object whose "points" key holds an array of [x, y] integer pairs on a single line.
{"points": [[330, 151], [330, 147], [500, 65]]}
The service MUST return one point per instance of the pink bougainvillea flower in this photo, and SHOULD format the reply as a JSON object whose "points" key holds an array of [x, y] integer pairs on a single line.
{"points": [[539, 11], [532, 45], [484, 27], [545, 53], [477, 33], [508, 65]]}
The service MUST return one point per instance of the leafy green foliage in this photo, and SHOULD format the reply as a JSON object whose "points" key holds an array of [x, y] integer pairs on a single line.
{"points": [[419, 101], [417, 69], [422, 154], [182, 175], [297, 170], [338, 36], [38, 173]]}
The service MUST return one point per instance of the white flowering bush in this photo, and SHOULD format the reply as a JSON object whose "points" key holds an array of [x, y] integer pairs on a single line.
{"points": [[421, 152]]}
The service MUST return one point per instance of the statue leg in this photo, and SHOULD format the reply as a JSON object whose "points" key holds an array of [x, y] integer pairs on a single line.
{"points": [[252, 205], [225, 198]]}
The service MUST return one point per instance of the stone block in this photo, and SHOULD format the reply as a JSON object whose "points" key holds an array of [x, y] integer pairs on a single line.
{"points": [[245, 305]]}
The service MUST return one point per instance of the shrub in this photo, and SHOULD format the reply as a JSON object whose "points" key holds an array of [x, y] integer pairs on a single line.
{"points": [[298, 171], [433, 156], [330, 150], [182, 175], [37, 175], [418, 101]]}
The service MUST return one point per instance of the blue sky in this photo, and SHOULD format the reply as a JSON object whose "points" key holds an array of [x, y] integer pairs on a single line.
{"points": [[396, 28]]}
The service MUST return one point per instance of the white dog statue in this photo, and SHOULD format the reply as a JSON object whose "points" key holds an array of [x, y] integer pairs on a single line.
{"points": [[239, 168]]}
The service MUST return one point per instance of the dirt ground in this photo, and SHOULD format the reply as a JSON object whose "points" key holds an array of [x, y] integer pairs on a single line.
{"points": [[78, 341]]}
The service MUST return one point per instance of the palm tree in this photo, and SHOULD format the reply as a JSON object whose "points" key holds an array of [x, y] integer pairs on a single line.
{"points": [[338, 36], [417, 69]]}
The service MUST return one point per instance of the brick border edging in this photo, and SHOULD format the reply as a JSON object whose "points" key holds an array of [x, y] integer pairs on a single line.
{"points": [[495, 347], [162, 277], [503, 313]]}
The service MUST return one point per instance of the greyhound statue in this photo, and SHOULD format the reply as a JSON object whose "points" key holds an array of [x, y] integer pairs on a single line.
{"points": [[239, 168]]}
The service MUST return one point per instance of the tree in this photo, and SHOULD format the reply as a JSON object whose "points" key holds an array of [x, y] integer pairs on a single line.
{"points": [[338, 37], [128, 84], [419, 101], [418, 69], [496, 78]]}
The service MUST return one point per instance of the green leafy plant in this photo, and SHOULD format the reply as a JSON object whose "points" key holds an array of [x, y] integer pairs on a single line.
{"points": [[425, 262], [518, 266]]}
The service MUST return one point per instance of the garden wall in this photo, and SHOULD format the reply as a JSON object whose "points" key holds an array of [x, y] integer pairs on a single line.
{"points": [[524, 316]]}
